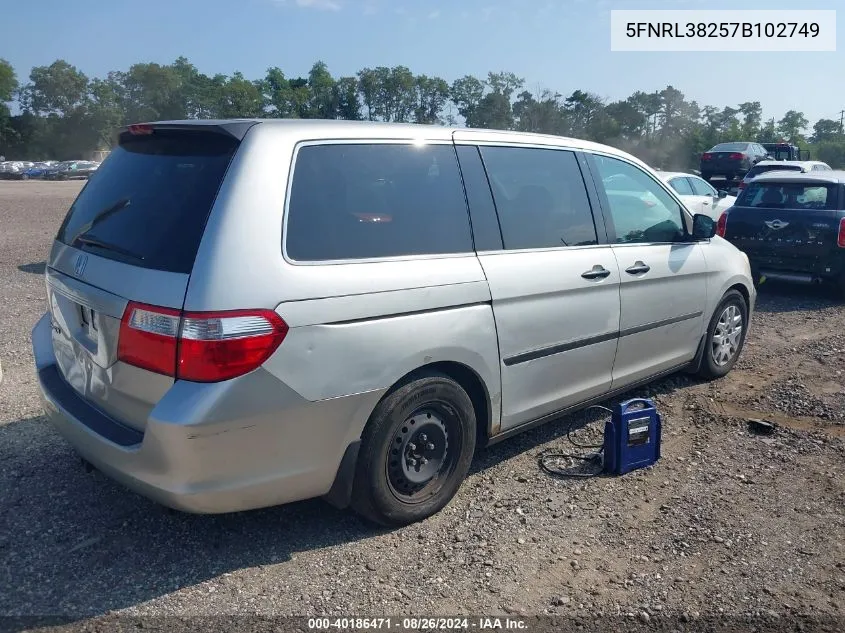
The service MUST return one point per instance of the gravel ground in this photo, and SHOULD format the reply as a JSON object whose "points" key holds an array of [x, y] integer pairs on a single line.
{"points": [[728, 523]]}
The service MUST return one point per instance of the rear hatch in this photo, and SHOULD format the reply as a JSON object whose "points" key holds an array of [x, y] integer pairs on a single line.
{"points": [[789, 224], [132, 234]]}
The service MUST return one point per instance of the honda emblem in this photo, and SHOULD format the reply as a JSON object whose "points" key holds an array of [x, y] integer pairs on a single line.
{"points": [[79, 265]]}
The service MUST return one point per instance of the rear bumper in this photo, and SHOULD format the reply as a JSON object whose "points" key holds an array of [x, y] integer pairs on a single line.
{"points": [[729, 169], [247, 443], [797, 270]]}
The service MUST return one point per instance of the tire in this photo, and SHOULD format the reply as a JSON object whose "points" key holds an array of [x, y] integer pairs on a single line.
{"points": [[428, 407], [717, 362]]}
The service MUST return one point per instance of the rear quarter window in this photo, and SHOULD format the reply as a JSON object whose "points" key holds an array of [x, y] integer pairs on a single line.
{"points": [[365, 201]]}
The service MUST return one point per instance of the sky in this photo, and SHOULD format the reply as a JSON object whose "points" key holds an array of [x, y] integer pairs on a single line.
{"points": [[561, 45]]}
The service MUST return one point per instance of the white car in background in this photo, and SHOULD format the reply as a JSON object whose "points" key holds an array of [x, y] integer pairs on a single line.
{"points": [[798, 166], [697, 194]]}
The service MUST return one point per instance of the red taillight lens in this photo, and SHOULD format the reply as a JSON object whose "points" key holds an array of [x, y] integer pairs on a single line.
{"points": [[148, 337], [735, 156], [221, 345], [840, 239], [722, 224], [706, 156], [198, 346]]}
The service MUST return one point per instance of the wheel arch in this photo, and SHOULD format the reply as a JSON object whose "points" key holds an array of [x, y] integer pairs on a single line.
{"points": [[469, 379]]}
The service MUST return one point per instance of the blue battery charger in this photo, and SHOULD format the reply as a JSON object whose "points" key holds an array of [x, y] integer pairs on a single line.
{"points": [[631, 437]]}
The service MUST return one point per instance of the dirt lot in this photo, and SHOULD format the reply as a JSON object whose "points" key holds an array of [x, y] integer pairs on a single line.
{"points": [[728, 522]]}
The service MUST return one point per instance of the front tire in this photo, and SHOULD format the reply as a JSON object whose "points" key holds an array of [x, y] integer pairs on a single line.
{"points": [[415, 451], [725, 336]]}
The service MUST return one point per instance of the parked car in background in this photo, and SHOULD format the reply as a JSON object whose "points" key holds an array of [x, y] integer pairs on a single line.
{"points": [[13, 170], [229, 308], [52, 172], [791, 226], [731, 161], [802, 166], [76, 170], [697, 194], [37, 171]]}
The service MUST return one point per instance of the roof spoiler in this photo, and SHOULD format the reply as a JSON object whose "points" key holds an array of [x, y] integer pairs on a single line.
{"points": [[236, 129]]}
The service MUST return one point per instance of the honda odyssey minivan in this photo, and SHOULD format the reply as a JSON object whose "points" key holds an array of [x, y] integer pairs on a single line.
{"points": [[248, 313]]}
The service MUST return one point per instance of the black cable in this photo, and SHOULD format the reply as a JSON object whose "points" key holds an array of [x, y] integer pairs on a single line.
{"points": [[558, 472]]}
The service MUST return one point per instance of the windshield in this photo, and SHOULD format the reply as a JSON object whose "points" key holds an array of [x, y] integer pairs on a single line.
{"points": [[730, 147], [150, 200], [779, 195]]}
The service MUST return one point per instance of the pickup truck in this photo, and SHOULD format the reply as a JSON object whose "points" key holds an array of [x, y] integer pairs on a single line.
{"points": [[791, 226]]}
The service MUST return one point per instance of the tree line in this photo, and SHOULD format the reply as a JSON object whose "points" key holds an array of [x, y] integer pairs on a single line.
{"points": [[64, 114]]}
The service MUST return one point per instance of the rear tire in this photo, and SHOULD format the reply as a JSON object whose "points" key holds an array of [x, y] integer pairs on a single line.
{"points": [[725, 336], [415, 451]]}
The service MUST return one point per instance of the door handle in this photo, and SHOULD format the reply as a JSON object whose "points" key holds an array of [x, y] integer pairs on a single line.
{"points": [[596, 272], [638, 268]]}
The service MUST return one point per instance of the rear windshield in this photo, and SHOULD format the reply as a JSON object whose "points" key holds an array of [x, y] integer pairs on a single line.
{"points": [[762, 169], [775, 195], [730, 147], [376, 200], [150, 200]]}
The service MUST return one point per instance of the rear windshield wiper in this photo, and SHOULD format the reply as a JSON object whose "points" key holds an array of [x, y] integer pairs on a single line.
{"points": [[93, 241], [100, 216]]}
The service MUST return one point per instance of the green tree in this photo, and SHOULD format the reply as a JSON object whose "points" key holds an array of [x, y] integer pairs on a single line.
{"points": [[752, 116], [432, 93], [55, 89], [154, 92], [466, 93], [322, 93], [825, 130], [8, 81], [768, 133], [792, 125], [8, 87], [348, 101], [237, 97]]}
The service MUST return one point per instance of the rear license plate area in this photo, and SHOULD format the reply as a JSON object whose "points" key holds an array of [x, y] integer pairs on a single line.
{"points": [[88, 322]]}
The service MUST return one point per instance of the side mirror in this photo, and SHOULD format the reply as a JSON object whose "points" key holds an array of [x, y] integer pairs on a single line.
{"points": [[723, 193], [703, 227]]}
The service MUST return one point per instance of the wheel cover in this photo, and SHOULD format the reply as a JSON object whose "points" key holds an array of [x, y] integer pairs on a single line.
{"points": [[423, 452], [727, 336]]}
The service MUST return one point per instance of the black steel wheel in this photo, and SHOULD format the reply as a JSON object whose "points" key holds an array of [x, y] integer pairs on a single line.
{"points": [[415, 450]]}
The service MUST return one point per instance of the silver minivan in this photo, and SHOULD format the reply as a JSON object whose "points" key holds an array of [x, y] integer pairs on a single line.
{"points": [[248, 313]]}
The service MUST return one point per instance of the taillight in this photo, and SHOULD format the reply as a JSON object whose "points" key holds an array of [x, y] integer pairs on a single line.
{"points": [[840, 239], [706, 156], [148, 337], [735, 156], [722, 224], [741, 185], [217, 346], [198, 346]]}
